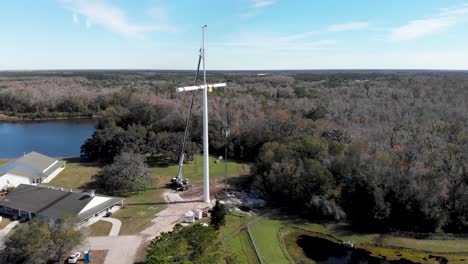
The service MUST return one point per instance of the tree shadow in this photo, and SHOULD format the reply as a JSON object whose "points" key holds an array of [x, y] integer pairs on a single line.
{"points": [[83, 162], [92, 185], [163, 203], [158, 161]]}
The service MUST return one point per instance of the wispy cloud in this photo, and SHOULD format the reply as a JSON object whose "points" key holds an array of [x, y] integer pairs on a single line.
{"points": [[302, 41], [298, 42], [254, 7], [348, 26], [261, 3], [111, 17], [419, 28]]}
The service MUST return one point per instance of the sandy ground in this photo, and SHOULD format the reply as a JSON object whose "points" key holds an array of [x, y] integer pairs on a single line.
{"points": [[196, 190], [173, 214]]}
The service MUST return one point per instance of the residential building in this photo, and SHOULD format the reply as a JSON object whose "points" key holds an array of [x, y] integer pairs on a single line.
{"points": [[48, 203], [32, 168]]}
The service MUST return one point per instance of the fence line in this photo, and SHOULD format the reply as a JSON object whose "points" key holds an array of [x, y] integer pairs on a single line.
{"points": [[259, 257]]}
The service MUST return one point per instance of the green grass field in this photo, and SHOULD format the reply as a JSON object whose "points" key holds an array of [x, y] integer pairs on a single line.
{"points": [[100, 228], [139, 210], [236, 241], [3, 161], [266, 235], [76, 175], [194, 169]]}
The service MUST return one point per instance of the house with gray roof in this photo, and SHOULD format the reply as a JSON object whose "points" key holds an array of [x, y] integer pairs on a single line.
{"points": [[32, 168], [49, 203]]}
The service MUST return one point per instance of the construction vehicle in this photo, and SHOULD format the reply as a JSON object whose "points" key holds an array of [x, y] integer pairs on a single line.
{"points": [[179, 183]]}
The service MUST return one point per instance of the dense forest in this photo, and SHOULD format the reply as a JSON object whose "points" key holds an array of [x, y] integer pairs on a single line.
{"points": [[383, 150]]}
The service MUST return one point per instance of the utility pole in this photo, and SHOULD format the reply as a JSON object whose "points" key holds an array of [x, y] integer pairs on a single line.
{"points": [[226, 133], [204, 87]]}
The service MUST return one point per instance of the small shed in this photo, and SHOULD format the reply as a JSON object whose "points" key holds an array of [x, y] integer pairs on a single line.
{"points": [[189, 217]]}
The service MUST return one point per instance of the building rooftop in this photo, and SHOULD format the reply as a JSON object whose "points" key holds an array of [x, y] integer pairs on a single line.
{"points": [[55, 203], [32, 165]]}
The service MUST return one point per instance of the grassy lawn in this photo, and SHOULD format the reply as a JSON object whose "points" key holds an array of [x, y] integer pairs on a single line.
{"points": [[100, 228], [437, 246], [76, 175], [140, 209], [266, 236], [243, 248], [194, 169], [3, 161], [236, 241]]}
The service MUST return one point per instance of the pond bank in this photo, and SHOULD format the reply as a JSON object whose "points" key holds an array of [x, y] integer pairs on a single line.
{"points": [[31, 117], [306, 246]]}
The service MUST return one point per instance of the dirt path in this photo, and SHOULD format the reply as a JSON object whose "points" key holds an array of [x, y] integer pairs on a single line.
{"points": [[173, 214]]}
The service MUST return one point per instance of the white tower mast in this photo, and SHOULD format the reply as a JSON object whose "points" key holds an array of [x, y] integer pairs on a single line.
{"points": [[206, 156], [204, 87]]}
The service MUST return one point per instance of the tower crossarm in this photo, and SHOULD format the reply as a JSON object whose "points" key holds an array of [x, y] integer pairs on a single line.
{"points": [[200, 87]]}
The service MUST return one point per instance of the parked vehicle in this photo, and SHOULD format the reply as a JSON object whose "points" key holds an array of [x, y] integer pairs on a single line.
{"points": [[74, 257]]}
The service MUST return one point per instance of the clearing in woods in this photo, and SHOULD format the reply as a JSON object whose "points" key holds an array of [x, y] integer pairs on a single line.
{"points": [[143, 206]]}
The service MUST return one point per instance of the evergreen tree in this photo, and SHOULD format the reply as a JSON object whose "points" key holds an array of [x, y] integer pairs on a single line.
{"points": [[218, 215]]}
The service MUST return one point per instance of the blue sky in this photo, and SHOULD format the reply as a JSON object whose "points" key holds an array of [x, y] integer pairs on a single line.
{"points": [[242, 34]]}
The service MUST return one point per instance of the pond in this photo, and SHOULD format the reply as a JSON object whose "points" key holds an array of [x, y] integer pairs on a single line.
{"points": [[53, 138], [324, 251]]}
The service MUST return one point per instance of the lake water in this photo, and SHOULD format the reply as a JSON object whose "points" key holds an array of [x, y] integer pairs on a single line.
{"points": [[52, 138]]}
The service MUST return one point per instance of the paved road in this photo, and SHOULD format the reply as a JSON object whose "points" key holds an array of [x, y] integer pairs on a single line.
{"points": [[116, 224], [121, 249], [7, 229]]}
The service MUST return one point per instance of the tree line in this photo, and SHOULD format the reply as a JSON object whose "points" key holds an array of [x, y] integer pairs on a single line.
{"points": [[384, 150]]}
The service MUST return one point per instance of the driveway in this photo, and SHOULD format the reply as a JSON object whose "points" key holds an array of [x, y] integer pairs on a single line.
{"points": [[121, 249], [116, 224], [7, 229]]}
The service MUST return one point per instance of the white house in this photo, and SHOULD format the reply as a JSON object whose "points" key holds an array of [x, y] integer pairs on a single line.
{"points": [[32, 168], [52, 204]]}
